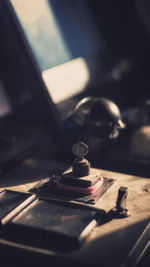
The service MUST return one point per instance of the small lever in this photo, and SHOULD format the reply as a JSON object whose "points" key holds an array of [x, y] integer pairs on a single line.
{"points": [[121, 204], [121, 211]]}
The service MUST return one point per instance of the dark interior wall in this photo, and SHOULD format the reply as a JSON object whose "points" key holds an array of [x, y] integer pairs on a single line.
{"points": [[20, 75], [125, 38], [120, 25]]}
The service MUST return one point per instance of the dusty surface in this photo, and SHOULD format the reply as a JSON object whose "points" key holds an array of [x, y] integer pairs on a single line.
{"points": [[111, 241]]}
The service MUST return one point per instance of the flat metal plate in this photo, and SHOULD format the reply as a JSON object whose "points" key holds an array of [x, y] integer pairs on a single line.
{"points": [[48, 188], [11, 203], [62, 226]]}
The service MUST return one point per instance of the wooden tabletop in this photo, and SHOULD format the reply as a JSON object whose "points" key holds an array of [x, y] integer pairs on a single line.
{"points": [[107, 243]]}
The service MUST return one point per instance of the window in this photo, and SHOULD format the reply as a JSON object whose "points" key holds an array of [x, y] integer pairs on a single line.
{"points": [[61, 34]]}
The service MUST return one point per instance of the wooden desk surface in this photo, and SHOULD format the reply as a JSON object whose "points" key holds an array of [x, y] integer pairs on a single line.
{"points": [[110, 243]]}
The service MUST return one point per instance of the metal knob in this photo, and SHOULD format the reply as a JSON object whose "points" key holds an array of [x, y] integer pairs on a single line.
{"points": [[81, 166]]}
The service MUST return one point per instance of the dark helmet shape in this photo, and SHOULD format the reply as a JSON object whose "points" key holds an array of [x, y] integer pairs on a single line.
{"points": [[96, 116]]}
